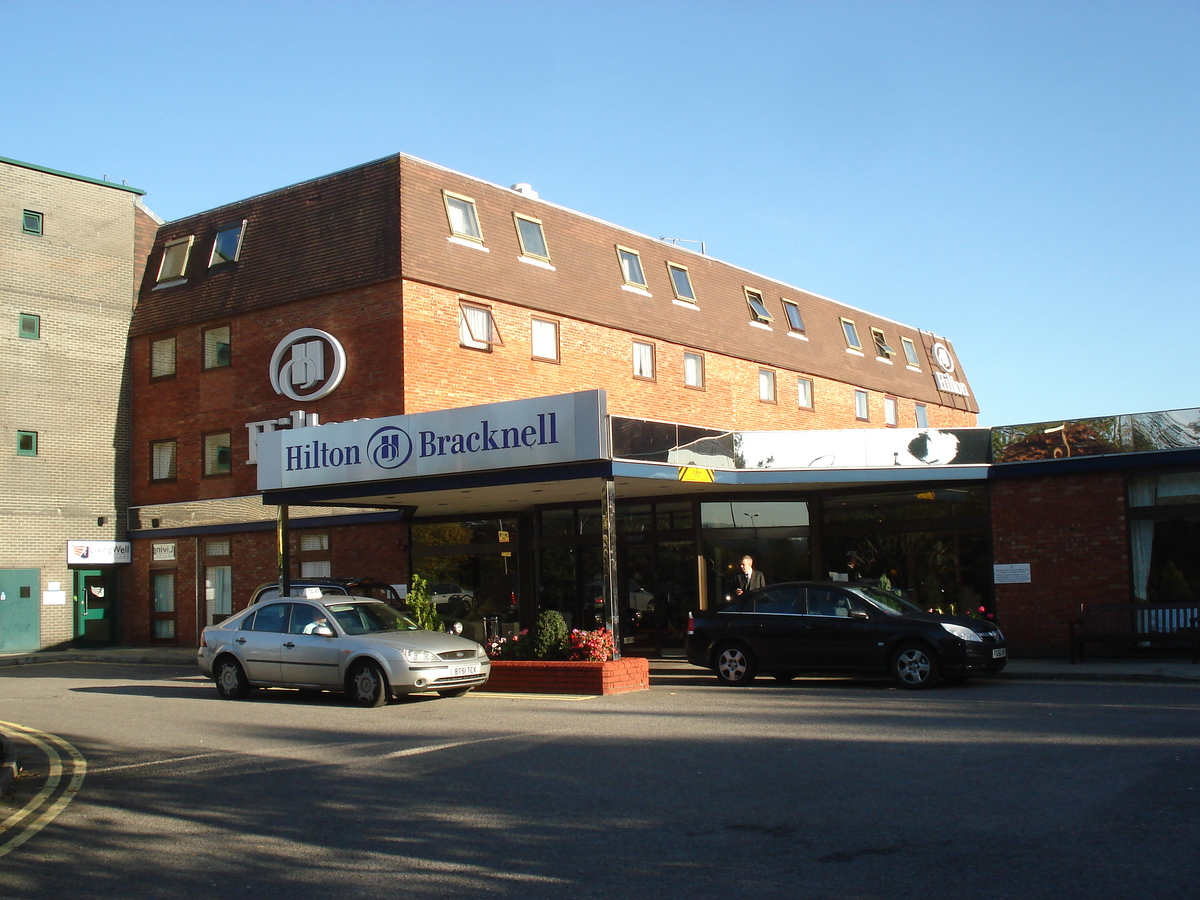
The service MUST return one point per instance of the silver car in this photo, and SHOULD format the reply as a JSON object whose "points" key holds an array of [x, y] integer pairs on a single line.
{"points": [[353, 644]]}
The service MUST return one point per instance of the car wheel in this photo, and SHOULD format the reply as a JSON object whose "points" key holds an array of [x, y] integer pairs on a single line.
{"points": [[367, 686], [232, 683], [734, 665], [914, 667], [454, 692]]}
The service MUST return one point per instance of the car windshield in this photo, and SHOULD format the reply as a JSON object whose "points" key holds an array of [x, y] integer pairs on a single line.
{"points": [[892, 604], [370, 618]]}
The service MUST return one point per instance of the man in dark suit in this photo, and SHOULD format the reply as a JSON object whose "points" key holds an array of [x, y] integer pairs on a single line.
{"points": [[750, 579]]}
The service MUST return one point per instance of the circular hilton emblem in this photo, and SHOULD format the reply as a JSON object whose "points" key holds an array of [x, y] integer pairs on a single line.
{"points": [[389, 447], [308, 364], [943, 357]]}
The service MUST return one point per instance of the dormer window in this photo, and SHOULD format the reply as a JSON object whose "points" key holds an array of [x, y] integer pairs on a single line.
{"points": [[227, 245], [758, 310]]}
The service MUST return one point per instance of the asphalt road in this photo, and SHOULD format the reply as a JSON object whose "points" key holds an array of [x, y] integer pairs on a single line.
{"points": [[824, 789]]}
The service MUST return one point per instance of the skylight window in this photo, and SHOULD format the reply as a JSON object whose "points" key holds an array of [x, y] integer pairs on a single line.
{"points": [[851, 333], [882, 350], [910, 352], [795, 322], [464, 221], [631, 267], [758, 310], [175, 258], [532, 238], [681, 283], [227, 245]]}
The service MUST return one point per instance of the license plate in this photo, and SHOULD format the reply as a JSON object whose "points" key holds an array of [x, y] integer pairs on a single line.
{"points": [[999, 653], [464, 670]]}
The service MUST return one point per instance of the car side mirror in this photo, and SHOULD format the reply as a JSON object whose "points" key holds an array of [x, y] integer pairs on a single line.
{"points": [[859, 614], [323, 630]]}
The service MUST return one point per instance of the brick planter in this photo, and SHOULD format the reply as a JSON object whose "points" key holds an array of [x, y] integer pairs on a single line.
{"points": [[545, 677]]}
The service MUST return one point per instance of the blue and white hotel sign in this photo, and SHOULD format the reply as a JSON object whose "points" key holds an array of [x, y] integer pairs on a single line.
{"points": [[542, 431]]}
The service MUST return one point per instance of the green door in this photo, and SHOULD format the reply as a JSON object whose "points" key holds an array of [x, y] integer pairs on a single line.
{"points": [[93, 607], [20, 622]]}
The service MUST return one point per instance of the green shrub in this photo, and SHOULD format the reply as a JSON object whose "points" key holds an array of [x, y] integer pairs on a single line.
{"points": [[550, 635], [420, 607]]}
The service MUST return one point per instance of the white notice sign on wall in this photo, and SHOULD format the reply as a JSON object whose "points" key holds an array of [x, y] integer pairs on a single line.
{"points": [[1011, 573]]}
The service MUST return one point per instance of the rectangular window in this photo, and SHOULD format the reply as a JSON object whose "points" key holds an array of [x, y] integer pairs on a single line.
{"points": [[216, 347], [316, 568], [162, 357], [891, 415], [851, 334], [464, 221], [477, 328], [862, 408], [532, 238], [766, 385], [922, 416], [882, 350], [681, 283], [27, 443], [795, 322], [29, 326], [544, 335], [631, 267], [693, 370], [758, 309], [216, 548], [218, 457], [162, 461], [643, 360], [910, 352], [227, 245], [175, 258], [804, 393], [314, 542], [218, 589], [31, 222]]}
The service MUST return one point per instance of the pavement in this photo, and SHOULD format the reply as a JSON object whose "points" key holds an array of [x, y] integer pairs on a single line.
{"points": [[1157, 669]]}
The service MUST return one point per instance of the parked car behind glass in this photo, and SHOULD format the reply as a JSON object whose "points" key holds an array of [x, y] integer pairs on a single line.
{"points": [[356, 645], [817, 627]]}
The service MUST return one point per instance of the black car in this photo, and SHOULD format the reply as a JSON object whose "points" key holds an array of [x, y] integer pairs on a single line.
{"points": [[838, 627]]}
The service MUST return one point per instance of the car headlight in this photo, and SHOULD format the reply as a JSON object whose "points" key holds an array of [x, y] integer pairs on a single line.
{"points": [[962, 632], [414, 655]]}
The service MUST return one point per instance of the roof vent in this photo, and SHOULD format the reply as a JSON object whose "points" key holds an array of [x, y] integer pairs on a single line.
{"points": [[526, 189]]}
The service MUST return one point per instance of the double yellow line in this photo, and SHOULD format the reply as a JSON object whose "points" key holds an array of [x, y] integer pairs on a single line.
{"points": [[53, 798]]}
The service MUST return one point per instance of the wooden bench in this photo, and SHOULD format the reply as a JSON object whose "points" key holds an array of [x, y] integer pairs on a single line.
{"points": [[1136, 625]]}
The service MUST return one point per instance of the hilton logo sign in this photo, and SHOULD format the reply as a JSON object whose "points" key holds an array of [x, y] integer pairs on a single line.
{"points": [[945, 379]]}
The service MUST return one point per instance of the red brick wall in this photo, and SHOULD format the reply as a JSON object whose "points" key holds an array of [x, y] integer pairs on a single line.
{"points": [[440, 374], [375, 551], [1072, 531]]}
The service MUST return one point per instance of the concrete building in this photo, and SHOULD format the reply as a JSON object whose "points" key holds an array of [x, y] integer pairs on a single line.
{"points": [[72, 251]]}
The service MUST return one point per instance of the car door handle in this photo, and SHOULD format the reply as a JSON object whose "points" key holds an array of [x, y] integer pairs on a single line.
{"points": [[239, 640], [289, 645]]}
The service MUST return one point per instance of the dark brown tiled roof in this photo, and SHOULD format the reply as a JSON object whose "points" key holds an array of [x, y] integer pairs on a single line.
{"points": [[586, 284], [338, 232]]}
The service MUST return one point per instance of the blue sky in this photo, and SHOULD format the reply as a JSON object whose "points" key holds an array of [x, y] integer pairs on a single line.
{"points": [[1018, 177]]}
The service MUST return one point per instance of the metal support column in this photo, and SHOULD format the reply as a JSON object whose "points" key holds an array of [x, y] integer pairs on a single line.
{"points": [[608, 561], [282, 551]]}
